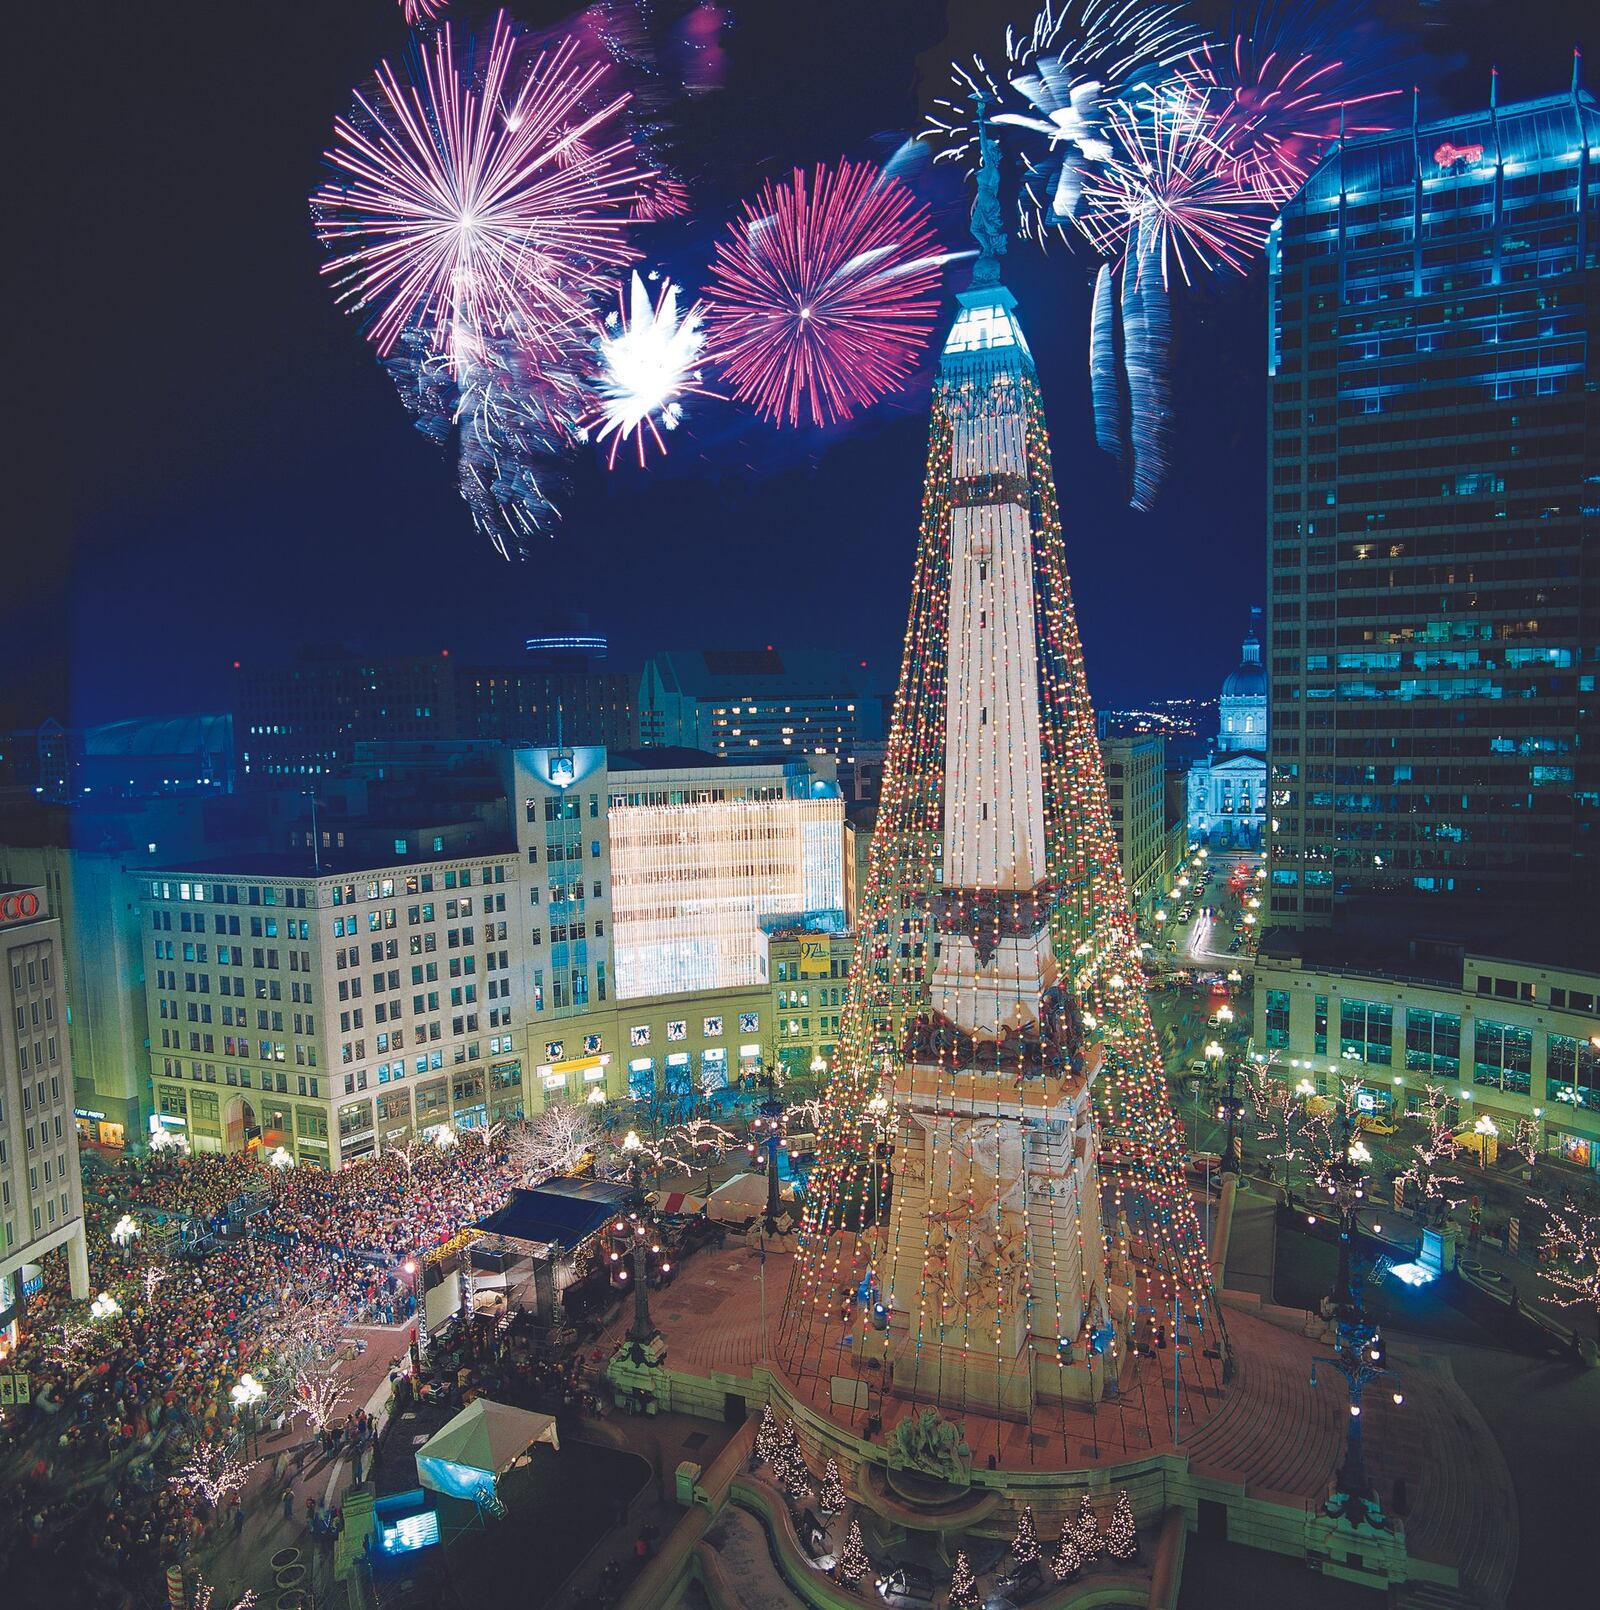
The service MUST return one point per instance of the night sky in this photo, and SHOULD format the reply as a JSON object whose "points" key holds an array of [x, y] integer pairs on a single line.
{"points": [[214, 467]]}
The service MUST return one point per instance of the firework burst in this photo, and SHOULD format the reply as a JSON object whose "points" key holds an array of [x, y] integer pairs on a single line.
{"points": [[823, 294], [647, 352], [1166, 200], [456, 207], [1077, 58], [1279, 95]]}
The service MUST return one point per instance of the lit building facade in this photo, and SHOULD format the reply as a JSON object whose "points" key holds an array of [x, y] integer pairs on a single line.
{"points": [[1433, 617], [81, 856], [41, 1202], [331, 1014], [1228, 788], [1505, 1039], [1136, 788]]}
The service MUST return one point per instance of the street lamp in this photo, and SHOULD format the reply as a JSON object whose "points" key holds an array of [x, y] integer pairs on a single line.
{"points": [[445, 1137], [280, 1158], [247, 1395], [105, 1306], [1229, 1107], [125, 1232]]}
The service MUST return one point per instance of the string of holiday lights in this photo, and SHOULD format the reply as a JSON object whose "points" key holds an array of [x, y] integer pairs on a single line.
{"points": [[947, 1286]]}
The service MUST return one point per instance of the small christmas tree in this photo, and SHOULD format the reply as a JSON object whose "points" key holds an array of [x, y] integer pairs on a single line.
{"points": [[1025, 1545], [1066, 1559], [791, 1450], [769, 1439], [963, 1584], [1122, 1537], [853, 1563], [832, 1495], [799, 1483], [1087, 1532]]}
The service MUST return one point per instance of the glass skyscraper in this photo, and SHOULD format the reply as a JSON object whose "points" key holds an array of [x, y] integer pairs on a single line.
{"points": [[1434, 508]]}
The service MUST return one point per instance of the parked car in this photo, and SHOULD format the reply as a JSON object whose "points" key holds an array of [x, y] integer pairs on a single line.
{"points": [[1375, 1123], [909, 1585]]}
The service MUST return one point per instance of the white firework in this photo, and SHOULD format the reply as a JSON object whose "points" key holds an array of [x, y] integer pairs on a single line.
{"points": [[648, 352]]}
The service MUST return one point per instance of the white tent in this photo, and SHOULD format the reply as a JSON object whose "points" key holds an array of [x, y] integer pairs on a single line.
{"points": [[741, 1198], [465, 1457]]}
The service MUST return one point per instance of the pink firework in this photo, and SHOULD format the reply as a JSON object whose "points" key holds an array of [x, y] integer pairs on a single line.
{"points": [[823, 294], [1276, 110], [455, 207], [417, 12], [660, 196]]}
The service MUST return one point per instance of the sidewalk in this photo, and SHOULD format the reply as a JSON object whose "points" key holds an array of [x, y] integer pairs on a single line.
{"points": [[291, 1459]]}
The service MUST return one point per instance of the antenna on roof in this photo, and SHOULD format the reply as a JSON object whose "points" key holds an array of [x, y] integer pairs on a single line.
{"points": [[1577, 70], [1416, 106], [1494, 88]]}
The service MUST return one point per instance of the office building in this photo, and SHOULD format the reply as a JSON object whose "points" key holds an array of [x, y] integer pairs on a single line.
{"points": [[549, 702], [41, 1201], [331, 1013], [760, 701], [303, 722], [1433, 614], [298, 723], [1136, 787], [192, 754], [459, 945], [1228, 788]]}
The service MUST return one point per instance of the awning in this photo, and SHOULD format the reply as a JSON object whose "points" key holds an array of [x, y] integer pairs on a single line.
{"points": [[680, 1202]]}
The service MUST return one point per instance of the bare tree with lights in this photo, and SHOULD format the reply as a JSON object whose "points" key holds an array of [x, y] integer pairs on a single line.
{"points": [[1279, 1110], [1569, 1255], [551, 1142], [1432, 1155], [317, 1393], [212, 1471]]}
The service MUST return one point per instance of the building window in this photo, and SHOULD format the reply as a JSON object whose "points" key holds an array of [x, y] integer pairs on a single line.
{"points": [[1433, 1043], [1366, 1031], [1277, 1020], [1572, 1073], [1319, 1027], [1502, 1056]]}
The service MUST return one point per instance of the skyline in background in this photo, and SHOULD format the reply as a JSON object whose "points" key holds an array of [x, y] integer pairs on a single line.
{"points": [[263, 488]]}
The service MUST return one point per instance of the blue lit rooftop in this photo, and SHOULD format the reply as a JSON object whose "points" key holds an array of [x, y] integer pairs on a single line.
{"points": [[1552, 130]]}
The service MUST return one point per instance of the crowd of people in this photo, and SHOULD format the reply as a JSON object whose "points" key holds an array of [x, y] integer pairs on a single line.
{"points": [[118, 1404]]}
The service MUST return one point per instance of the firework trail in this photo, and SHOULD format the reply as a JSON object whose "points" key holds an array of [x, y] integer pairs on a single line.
{"points": [[1147, 348], [647, 353], [1103, 380], [453, 207], [1078, 58], [823, 294], [419, 12]]}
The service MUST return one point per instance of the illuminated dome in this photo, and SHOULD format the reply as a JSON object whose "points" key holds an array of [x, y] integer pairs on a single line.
{"points": [[1250, 680]]}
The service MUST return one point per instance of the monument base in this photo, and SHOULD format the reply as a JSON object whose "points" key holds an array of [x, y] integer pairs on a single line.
{"points": [[637, 1375]]}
